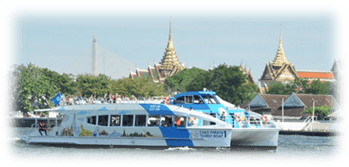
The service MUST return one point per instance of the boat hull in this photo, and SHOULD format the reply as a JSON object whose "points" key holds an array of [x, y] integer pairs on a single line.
{"points": [[128, 141], [267, 137]]}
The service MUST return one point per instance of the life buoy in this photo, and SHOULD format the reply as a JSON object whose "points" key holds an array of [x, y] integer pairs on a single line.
{"points": [[166, 100], [264, 118], [237, 118]]}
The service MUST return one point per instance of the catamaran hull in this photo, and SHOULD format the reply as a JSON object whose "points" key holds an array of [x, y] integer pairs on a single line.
{"points": [[128, 141], [255, 137]]}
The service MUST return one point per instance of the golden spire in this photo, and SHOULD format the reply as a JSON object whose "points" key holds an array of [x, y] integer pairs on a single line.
{"points": [[170, 42], [241, 68], [280, 42], [280, 57], [169, 60], [245, 70]]}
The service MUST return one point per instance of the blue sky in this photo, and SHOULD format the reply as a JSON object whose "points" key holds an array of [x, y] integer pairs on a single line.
{"points": [[54, 41]]}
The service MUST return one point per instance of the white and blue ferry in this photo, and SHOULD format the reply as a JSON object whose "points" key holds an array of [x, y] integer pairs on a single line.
{"points": [[133, 125], [248, 128]]}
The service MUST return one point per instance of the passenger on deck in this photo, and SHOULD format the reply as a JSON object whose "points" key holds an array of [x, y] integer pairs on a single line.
{"points": [[133, 97], [105, 98], [118, 99], [125, 98], [109, 98], [90, 100], [115, 97], [223, 116], [41, 128]]}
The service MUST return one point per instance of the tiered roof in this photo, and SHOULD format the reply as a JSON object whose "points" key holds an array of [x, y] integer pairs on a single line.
{"points": [[280, 57], [169, 62], [168, 66]]}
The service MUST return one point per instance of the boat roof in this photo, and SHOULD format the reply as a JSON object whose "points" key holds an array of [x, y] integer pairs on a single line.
{"points": [[195, 93]]}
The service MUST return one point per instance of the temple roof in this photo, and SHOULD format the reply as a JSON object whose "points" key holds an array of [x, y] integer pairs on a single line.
{"points": [[170, 59], [314, 74], [280, 57]]}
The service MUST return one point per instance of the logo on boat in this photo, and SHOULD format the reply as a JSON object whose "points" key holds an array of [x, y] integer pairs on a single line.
{"points": [[154, 108], [211, 134]]}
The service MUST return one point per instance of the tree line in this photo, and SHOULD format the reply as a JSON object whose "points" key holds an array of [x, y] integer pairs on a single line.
{"points": [[227, 81], [299, 85], [29, 84]]}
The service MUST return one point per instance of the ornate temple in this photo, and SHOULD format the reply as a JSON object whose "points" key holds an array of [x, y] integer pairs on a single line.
{"points": [[281, 70], [249, 78], [168, 66]]}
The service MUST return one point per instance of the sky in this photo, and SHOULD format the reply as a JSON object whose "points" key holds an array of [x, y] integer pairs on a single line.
{"points": [[63, 43]]}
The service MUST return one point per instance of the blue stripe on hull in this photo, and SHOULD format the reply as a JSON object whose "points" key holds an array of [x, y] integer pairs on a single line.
{"points": [[179, 142], [174, 132]]}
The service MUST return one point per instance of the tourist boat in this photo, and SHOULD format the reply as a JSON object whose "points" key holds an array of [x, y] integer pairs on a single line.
{"points": [[249, 128], [132, 125]]}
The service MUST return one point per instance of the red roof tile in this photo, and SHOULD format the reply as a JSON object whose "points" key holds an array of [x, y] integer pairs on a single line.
{"points": [[322, 75]]}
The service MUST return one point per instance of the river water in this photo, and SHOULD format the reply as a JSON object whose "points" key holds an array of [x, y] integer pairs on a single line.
{"points": [[291, 149]]}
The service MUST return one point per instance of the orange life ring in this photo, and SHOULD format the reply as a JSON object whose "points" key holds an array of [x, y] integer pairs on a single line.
{"points": [[166, 101], [264, 118], [237, 118]]}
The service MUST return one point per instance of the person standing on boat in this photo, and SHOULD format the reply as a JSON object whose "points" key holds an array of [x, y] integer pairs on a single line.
{"points": [[41, 128], [116, 96], [223, 116]]}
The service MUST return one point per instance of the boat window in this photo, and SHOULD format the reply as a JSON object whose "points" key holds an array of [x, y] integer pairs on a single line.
{"points": [[103, 120], [189, 99], [207, 123], [180, 121], [180, 99], [153, 120], [166, 121], [91, 120], [198, 100], [214, 115], [115, 120], [209, 99], [193, 121], [140, 120], [127, 120]]}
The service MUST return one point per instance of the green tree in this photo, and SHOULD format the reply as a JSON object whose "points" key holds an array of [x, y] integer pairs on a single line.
{"points": [[277, 87], [317, 87], [301, 84], [64, 84], [182, 79], [34, 86], [139, 87], [89, 85], [228, 82], [320, 111]]}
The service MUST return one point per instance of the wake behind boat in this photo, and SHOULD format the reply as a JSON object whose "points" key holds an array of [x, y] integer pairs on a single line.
{"points": [[132, 125]]}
